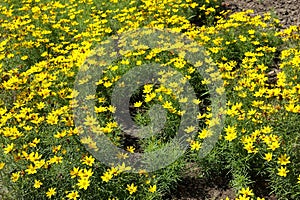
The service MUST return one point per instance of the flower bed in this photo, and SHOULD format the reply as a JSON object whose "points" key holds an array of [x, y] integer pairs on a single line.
{"points": [[45, 45]]}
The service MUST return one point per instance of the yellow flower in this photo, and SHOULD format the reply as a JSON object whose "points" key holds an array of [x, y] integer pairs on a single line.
{"points": [[55, 149], [201, 116], [85, 173], [56, 159], [106, 176], [111, 108], [83, 183], [9, 148], [267, 129], [147, 88], [183, 100], [73, 195], [251, 32], [131, 188], [107, 84], [122, 155], [250, 148], [167, 105], [195, 145], [204, 134], [190, 129], [40, 105], [39, 164], [123, 167], [230, 133], [282, 171], [88, 160], [268, 157], [52, 119], [15, 176], [37, 184], [242, 38], [31, 169], [220, 90], [152, 188], [34, 156], [34, 142], [44, 54], [138, 104], [90, 121], [196, 101], [51, 192], [130, 149], [35, 9], [242, 197], [246, 191], [2, 164], [274, 145], [150, 96], [74, 172], [283, 160], [24, 57], [113, 171], [100, 109]]}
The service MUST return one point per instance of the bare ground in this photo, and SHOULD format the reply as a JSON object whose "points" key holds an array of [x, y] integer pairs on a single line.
{"points": [[287, 11]]}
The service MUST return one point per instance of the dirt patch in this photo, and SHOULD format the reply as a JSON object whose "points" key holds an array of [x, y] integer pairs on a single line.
{"points": [[192, 187], [287, 11], [196, 189]]}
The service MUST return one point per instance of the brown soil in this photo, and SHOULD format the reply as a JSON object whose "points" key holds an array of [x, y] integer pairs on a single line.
{"points": [[287, 11], [191, 187]]}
